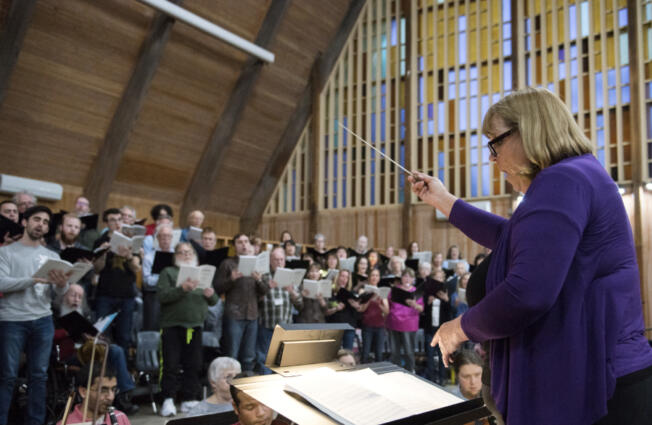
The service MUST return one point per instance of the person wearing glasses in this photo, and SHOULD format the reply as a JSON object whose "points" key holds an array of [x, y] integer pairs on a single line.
{"points": [[221, 373], [562, 309], [183, 311], [101, 393]]}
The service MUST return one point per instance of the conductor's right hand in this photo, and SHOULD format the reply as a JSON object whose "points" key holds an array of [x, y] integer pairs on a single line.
{"points": [[432, 191]]}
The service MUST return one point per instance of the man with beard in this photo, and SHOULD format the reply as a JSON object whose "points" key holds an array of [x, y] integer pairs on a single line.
{"points": [[101, 394], [151, 305], [73, 301], [183, 310], [26, 314], [68, 238]]}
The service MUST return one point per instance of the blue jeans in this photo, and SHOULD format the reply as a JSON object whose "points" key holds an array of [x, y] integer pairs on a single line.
{"points": [[123, 322], [119, 362], [262, 345], [240, 341], [373, 339], [347, 339], [34, 337]]}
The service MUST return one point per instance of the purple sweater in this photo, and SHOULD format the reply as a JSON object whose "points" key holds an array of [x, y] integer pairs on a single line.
{"points": [[563, 305]]}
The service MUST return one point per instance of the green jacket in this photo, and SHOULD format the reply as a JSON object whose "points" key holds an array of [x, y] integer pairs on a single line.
{"points": [[178, 307]]}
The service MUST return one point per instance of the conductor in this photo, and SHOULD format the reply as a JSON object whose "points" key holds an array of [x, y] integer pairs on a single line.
{"points": [[562, 309]]}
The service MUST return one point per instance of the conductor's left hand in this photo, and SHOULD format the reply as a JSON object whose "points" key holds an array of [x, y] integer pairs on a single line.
{"points": [[449, 337]]}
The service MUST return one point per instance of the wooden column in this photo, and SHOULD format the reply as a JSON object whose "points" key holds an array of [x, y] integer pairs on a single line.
{"points": [[279, 158], [407, 218], [11, 39], [638, 145], [313, 152], [105, 167], [205, 174]]}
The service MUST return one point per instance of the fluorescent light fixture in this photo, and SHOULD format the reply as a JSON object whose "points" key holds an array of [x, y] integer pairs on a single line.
{"points": [[648, 186], [38, 188]]}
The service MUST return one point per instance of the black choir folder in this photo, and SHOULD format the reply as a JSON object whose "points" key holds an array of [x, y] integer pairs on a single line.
{"points": [[312, 388]]}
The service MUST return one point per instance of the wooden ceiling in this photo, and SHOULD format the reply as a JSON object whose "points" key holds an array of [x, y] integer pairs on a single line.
{"points": [[73, 71]]}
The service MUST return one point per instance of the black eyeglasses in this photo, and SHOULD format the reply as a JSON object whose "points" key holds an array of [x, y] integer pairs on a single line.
{"points": [[498, 139]]}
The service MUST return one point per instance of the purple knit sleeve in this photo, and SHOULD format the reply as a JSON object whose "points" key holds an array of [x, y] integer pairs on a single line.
{"points": [[481, 226]]}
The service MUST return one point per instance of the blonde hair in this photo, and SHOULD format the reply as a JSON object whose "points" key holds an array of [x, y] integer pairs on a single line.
{"points": [[336, 283], [546, 126]]}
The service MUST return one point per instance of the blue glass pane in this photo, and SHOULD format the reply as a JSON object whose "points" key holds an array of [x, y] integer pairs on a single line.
{"points": [[462, 89], [584, 12], [392, 37], [440, 117], [611, 77], [507, 30], [462, 74], [600, 136], [474, 112], [562, 71], [461, 23], [402, 115], [495, 97], [574, 95], [402, 132], [624, 75], [440, 161], [573, 51], [573, 68], [373, 127], [612, 97], [473, 87], [451, 91], [527, 43], [624, 95], [485, 180], [343, 195], [431, 111], [401, 155], [527, 25], [507, 47], [421, 63], [528, 71], [474, 72], [382, 126], [648, 91], [373, 190], [551, 87], [624, 49], [561, 54], [441, 175], [598, 90], [419, 113], [421, 89], [599, 120], [431, 127], [451, 76], [507, 10], [601, 156], [474, 181], [649, 121], [335, 164], [622, 17], [403, 31], [507, 75], [461, 46], [572, 20], [474, 155]]}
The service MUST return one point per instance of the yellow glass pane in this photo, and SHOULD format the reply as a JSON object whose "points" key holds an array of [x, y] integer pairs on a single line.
{"points": [[561, 30], [496, 78], [611, 62], [430, 88], [548, 29]]}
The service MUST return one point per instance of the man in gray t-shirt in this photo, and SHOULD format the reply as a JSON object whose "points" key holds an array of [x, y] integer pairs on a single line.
{"points": [[26, 315]]}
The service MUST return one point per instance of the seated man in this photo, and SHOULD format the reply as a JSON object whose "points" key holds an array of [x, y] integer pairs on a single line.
{"points": [[73, 300], [101, 394], [250, 411]]}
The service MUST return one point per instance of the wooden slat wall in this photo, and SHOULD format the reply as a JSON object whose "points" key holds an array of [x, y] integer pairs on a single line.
{"points": [[645, 71]]}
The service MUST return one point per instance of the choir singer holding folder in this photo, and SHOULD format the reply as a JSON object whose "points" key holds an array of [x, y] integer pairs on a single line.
{"points": [[562, 309]]}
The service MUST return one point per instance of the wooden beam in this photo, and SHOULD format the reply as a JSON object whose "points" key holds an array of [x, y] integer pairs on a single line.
{"points": [[11, 39], [410, 96], [276, 164], [107, 162], [205, 175], [313, 153]]}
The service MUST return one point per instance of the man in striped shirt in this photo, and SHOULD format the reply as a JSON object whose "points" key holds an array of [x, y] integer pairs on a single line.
{"points": [[274, 308]]}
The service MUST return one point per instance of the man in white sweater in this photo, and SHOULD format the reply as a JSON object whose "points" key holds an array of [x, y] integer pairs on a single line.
{"points": [[26, 315]]}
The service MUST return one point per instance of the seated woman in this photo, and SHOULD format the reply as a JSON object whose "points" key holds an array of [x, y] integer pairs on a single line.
{"points": [[221, 372]]}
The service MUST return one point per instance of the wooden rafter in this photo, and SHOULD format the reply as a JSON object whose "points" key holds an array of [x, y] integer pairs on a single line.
{"points": [[205, 175], [107, 162], [11, 39], [280, 156]]}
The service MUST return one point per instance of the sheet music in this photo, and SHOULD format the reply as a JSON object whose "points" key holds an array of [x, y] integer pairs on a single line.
{"points": [[345, 399], [423, 256], [286, 277], [348, 264]]}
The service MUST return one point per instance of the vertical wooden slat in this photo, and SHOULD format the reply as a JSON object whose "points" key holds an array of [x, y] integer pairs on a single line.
{"points": [[555, 46], [376, 89], [436, 85], [478, 66], [567, 55], [349, 114], [467, 104], [339, 178], [320, 152], [358, 120], [580, 59], [388, 141], [532, 13], [368, 106], [445, 66], [605, 98], [330, 152], [619, 108], [591, 77], [456, 103], [397, 84], [410, 79], [520, 34]]}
